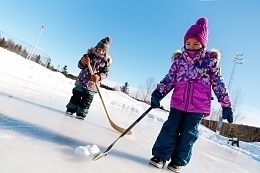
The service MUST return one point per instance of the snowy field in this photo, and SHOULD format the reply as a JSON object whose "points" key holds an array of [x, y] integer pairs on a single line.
{"points": [[36, 136]]}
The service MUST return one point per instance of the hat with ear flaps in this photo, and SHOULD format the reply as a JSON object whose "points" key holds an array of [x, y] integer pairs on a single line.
{"points": [[104, 43], [199, 31]]}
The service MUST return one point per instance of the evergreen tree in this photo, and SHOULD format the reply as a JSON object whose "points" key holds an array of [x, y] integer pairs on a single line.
{"points": [[65, 70], [2, 43], [38, 58], [125, 88]]}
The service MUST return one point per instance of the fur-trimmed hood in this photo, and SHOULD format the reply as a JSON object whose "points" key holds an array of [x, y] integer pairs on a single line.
{"points": [[109, 59], [214, 53], [176, 54]]}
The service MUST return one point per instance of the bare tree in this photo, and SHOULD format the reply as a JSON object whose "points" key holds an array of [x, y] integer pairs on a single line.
{"points": [[237, 101], [215, 113], [213, 117], [58, 68], [139, 93], [144, 91], [148, 88], [117, 88]]}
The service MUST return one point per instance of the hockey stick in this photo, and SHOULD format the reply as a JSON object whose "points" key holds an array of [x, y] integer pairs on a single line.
{"points": [[100, 155], [123, 134], [116, 127]]}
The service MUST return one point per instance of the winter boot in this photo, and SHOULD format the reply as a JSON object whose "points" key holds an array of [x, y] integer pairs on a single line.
{"points": [[69, 112], [80, 116], [175, 168], [157, 162], [81, 113]]}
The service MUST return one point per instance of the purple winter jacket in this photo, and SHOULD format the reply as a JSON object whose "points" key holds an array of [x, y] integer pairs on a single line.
{"points": [[192, 80]]}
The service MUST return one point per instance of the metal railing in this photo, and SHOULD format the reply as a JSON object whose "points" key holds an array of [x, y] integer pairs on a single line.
{"points": [[28, 51]]}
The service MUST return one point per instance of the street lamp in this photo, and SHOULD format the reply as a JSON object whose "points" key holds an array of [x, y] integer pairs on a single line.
{"points": [[236, 60], [30, 53]]}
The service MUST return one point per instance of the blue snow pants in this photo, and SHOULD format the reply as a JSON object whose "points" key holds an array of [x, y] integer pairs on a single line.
{"points": [[177, 136], [80, 100]]}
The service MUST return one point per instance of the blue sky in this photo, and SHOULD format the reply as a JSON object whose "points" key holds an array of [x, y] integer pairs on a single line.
{"points": [[144, 33]]}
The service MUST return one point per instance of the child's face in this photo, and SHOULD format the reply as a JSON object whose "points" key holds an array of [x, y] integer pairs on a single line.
{"points": [[101, 51], [193, 44]]}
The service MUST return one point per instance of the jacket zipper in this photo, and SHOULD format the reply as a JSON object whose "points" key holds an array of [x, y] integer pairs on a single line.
{"points": [[188, 96], [188, 92]]}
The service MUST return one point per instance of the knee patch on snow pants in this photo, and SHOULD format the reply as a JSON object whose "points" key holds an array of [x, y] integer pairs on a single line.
{"points": [[81, 100], [86, 99]]}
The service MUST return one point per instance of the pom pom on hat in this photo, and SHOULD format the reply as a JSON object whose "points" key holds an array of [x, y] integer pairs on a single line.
{"points": [[202, 22], [199, 31], [104, 43]]}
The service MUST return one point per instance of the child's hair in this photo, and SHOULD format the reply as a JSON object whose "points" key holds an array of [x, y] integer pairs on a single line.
{"points": [[106, 57]]}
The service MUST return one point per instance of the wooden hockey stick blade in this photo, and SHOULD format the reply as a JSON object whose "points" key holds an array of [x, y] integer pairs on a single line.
{"points": [[113, 125], [116, 127]]}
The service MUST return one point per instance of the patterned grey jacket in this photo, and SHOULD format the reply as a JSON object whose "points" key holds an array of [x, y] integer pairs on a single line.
{"points": [[100, 67]]}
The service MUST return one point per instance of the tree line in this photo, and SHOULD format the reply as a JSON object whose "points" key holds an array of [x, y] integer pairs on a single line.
{"points": [[13, 47], [10, 45]]}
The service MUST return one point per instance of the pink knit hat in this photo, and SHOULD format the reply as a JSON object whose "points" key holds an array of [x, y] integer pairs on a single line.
{"points": [[199, 31]]}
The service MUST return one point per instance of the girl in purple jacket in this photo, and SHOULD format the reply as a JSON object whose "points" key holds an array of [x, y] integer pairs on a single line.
{"points": [[193, 73]]}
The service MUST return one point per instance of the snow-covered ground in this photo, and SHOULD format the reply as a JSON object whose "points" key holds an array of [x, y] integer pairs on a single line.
{"points": [[36, 136]]}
